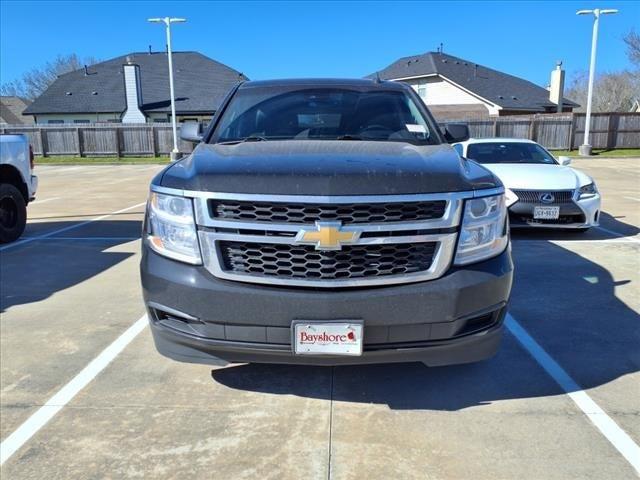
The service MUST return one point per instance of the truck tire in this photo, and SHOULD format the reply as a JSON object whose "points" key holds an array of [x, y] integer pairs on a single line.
{"points": [[13, 213]]}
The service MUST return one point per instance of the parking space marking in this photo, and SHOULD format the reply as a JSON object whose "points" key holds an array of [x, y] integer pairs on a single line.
{"points": [[70, 227], [574, 241], [45, 200], [603, 422], [46, 412], [611, 232], [54, 239], [632, 198]]}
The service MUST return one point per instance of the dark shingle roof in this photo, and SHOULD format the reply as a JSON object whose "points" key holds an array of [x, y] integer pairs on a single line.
{"points": [[11, 110], [200, 85], [500, 88]]}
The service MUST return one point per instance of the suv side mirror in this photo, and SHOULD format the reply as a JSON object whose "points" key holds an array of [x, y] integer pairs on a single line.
{"points": [[564, 161], [190, 132], [456, 132]]}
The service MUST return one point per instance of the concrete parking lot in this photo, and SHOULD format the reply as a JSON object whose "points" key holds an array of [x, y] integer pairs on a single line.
{"points": [[70, 290]]}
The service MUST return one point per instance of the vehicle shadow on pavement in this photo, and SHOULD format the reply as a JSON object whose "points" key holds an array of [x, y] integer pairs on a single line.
{"points": [[34, 271], [607, 221], [564, 300]]}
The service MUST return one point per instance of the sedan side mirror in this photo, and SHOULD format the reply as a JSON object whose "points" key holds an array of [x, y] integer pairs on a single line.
{"points": [[564, 161], [456, 132], [190, 132]]}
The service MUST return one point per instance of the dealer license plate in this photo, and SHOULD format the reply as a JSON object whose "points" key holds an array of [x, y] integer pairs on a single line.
{"points": [[546, 213], [330, 338]]}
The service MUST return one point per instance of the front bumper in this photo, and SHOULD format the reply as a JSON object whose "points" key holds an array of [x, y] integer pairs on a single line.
{"points": [[196, 317], [33, 187], [583, 213]]}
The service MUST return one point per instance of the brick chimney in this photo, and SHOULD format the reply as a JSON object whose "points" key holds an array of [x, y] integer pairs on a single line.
{"points": [[556, 87], [133, 94]]}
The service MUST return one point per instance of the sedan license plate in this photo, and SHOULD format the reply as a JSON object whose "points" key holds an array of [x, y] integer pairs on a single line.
{"points": [[330, 338], [546, 213]]}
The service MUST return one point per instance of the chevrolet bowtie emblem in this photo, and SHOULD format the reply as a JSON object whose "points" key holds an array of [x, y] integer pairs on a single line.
{"points": [[328, 236]]}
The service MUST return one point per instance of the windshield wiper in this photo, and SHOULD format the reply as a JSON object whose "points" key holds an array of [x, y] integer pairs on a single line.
{"points": [[349, 137], [250, 138]]}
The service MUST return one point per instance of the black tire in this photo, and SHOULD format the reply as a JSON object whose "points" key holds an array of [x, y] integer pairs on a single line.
{"points": [[580, 230], [13, 213]]}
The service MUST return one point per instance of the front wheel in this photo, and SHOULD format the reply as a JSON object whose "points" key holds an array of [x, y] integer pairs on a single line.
{"points": [[13, 213]]}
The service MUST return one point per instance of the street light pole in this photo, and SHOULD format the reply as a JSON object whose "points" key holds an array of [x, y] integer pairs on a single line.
{"points": [[168, 21], [585, 148]]}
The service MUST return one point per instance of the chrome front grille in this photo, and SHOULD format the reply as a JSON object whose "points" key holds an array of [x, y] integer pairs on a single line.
{"points": [[560, 197], [348, 213], [305, 262], [382, 239]]}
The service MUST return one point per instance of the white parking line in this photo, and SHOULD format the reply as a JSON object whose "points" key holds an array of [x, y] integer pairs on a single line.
{"points": [[55, 239], [45, 413], [619, 235], [45, 200], [70, 227], [57, 168], [602, 241], [605, 424], [632, 198]]}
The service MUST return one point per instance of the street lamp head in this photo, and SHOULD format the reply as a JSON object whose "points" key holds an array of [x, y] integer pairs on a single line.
{"points": [[597, 12], [154, 20], [177, 20]]}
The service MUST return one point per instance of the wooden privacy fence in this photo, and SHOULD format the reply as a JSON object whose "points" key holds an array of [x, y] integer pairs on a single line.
{"points": [[100, 139], [563, 131], [554, 131]]}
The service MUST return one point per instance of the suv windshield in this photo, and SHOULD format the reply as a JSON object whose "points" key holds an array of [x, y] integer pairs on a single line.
{"points": [[314, 113], [509, 152]]}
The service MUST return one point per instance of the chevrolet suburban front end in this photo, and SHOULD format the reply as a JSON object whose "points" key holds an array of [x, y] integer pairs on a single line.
{"points": [[326, 222]]}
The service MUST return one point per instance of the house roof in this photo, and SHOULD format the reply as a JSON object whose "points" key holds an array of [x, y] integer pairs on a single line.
{"points": [[507, 91], [11, 110], [200, 85]]}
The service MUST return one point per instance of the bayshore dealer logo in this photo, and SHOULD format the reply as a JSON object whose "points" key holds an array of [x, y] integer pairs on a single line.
{"points": [[310, 337]]}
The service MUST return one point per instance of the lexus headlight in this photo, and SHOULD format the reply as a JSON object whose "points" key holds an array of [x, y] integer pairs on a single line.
{"points": [[483, 233], [587, 191], [171, 229]]}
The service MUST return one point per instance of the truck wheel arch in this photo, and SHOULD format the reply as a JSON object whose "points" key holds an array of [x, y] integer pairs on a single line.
{"points": [[10, 174]]}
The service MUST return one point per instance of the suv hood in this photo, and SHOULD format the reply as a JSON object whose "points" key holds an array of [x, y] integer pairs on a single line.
{"points": [[538, 176], [326, 167]]}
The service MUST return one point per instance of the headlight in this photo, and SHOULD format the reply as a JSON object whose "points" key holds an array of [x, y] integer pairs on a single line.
{"points": [[587, 191], [483, 233], [171, 228]]}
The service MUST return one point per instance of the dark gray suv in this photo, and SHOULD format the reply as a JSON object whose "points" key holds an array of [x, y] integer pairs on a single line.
{"points": [[326, 222]]}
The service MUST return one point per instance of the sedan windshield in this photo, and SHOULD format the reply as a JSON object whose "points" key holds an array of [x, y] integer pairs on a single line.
{"points": [[509, 152], [303, 113]]}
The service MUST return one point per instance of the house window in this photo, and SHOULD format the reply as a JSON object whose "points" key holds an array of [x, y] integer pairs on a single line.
{"points": [[81, 121], [51, 122], [422, 89]]}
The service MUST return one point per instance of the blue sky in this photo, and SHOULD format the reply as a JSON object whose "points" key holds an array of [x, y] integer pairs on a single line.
{"points": [[301, 39]]}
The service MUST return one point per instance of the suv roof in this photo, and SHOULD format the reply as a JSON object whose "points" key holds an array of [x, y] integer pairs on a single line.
{"points": [[327, 82]]}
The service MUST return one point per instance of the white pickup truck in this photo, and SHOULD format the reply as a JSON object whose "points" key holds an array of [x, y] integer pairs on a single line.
{"points": [[18, 185]]}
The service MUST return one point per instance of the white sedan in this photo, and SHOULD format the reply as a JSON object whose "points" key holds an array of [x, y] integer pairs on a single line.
{"points": [[541, 191]]}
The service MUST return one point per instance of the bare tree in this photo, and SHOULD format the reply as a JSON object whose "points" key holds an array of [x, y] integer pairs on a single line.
{"points": [[36, 81], [632, 39], [612, 92]]}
